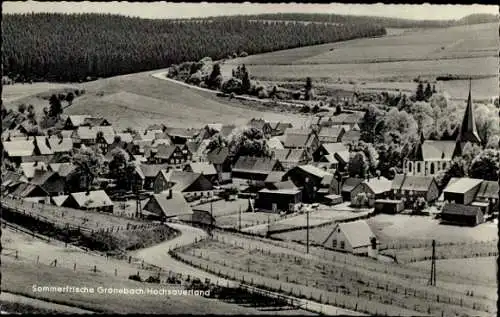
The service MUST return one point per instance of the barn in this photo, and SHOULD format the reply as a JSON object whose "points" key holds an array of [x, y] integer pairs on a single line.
{"points": [[462, 214], [277, 200], [462, 191]]}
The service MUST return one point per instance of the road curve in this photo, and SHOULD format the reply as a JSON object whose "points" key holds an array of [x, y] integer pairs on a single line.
{"points": [[20, 299], [158, 255]]}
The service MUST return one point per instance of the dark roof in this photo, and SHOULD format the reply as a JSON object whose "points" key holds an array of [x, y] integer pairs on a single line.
{"points": [[411, 182], [350, 183], [351, 136], [288, 155], [261, 165], [92, 121], [488, 189], [165, 151], [171, 207], [275, 177], [151, 170], [182, 179], [297, 140], [332, 132], [25, 189], [218, 156], [41, 177], [458, 209], [63, 169]]}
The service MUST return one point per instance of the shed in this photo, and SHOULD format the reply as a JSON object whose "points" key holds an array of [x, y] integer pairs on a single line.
{"points": [[332, 199], [462, 214], [278, 199], [462, 191], [388, 206], [92, 200], [168, 204]]}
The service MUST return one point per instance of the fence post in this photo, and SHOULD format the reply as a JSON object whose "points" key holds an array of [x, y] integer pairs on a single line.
{"points": [[16, 254], [74, 267], [95, 268], [37, 259], [116, 272]]}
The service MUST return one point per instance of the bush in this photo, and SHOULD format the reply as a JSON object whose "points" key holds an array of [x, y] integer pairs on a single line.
{"points": [[262, 94], [360, 200], [153, 279], [135, 277], [305, 109], [232, 85], [195, 78], [243, 54], [315, 109]]}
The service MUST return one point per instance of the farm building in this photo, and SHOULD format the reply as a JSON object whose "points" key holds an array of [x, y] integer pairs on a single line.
{"points": [[462, 214], [29, 168], [255, 168], [388, 206], [25, 190], [278, 199], [311, 179], [332, 199], [96, 200], [290, 158], [411, 187], [167, 154], [182, 135], [374, 188], [167, 204], [488, 193], [348, 185], [331, 134], [462, 191], [74, 121], [353, 237], [205, 168]]}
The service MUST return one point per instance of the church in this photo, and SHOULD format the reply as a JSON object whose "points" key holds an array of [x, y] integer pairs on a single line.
{"points": [[430, 157]]}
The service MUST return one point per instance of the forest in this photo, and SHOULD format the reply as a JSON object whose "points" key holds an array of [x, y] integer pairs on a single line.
{"points": [[380, 21], [80, 47]]}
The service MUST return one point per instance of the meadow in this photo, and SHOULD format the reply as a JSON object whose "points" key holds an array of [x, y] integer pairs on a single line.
{"points": [[393, 60]]}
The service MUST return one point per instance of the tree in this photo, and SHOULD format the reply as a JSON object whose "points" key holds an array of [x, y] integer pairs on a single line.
{"points": [[88, 166], [400, 128], [21, 108], [31, 114], [309, 95], [486, 165], [487, 122], [357, 164], [457, 168], [214, 78], [423, 114], [4, 111], [371, 125], [69, 98], [420, 204], [315, 109], [420, 94], [245, 80], [55, 106], [428, 92]]}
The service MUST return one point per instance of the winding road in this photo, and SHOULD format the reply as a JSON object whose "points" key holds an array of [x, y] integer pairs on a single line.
{"points": [[158, 255]]}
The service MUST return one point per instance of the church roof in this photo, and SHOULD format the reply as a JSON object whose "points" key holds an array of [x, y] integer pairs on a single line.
{"points": [[468, 129]]}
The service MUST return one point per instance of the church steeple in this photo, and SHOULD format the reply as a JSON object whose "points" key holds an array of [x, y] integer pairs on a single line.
{"points": [[468, 130]]}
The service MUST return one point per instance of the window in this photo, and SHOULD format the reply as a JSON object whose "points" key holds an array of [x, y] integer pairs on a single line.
{"points": [[334, 243], [410, 167], [444, 165], [419, 167], [342, 244], [432, 168]]}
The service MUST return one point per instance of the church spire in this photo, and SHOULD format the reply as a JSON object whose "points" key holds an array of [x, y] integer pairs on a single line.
{"points": [[468, 130]]}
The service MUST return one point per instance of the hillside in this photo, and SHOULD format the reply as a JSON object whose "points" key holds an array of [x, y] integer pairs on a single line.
{"points": [[78, 47], [139, 100]]}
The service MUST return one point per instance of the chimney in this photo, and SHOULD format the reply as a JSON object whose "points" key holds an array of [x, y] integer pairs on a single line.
{"points": [[169, 194]]}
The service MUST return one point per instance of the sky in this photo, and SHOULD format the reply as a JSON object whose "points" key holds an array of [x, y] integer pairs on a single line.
{"points": [[162, 10]]}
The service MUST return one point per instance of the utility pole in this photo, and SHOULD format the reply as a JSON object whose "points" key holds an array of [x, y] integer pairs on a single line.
{"points": [[211, 219], [268, 225], [307, 231], [239, 220], [432, 279]]}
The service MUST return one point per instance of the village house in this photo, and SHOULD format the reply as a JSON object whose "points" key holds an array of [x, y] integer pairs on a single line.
{"points": [[332, 156], [301, 139], [58, 200], [274, 177], [166, 205], [314, 181], [388, 206], [95, 122], [27, 190], [49, 181], [350, 119], [353, 237], [488, 193], [221, 160], [89, 136], [374, 188], [279, 128], [462, 191], [348, 185], [207, 169], [182, 182], [182, 135], [169, 154], [411, 187], [96, 200], [29, 168], [10, 179], [290, 158], [60, 145], [199, 218], [42, 146], [255, 168], [331, 134], [150, 172], [15, 151], [74, 121]]}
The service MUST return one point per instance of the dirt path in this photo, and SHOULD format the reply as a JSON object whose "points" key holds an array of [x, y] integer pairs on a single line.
{"points": [[14, 298]]}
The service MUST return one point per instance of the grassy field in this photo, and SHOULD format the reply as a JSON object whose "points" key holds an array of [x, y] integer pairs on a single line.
{"points": [[139, 100], [393, 227], [395, 60], [18, 277], [247, 219], [224, 208], [483, 269], [332, 276]]}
